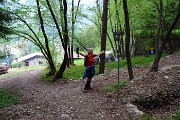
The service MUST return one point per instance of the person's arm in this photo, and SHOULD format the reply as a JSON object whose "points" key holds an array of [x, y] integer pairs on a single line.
{"points": [[82, 54], [102, 52]]}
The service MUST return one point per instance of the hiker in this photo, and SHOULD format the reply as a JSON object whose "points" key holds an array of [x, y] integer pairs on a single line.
{"points": [[89, 70]]}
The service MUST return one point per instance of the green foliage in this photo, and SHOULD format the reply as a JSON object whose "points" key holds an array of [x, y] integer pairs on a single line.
{"points": [[7, 98], [15, 65], [5, 19], [114, 86], [176, 115], [46, 77]]}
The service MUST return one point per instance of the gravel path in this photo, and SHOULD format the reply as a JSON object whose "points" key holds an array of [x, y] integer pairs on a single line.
{"points": [[64, 100], [56, 101]]}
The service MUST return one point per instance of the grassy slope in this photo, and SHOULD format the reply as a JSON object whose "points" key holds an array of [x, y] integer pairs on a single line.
{"points": [[76, 72], [7, 98]]}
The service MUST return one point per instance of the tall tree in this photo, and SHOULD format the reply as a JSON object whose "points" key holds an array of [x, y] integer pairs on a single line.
{"points": [[74, 17], [154, 67], [50, 60], [158, 38], [62, 68], [103, 36], [127, 30]]}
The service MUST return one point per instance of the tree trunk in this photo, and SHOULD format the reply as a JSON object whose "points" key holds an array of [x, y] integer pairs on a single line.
{"points": [[123, 51], [158, 38], [50, 60], [126, 14], [112, 30], [60, 72], [99, 17], [72, 39], [154, 67], [103, 36], [119, 27], [114, 51], [69, 55], [74, 16]]}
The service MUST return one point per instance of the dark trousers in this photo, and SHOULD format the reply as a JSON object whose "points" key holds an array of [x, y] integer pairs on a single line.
{"points": [[89, 75]]}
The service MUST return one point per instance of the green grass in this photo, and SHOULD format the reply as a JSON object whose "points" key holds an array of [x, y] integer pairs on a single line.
{"points": [[136, 61], [76, 72], [114, 86], [78, 62], [7, 98]]}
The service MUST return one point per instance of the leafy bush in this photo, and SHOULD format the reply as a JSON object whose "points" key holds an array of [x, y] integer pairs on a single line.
{"points": [[15, 65]]}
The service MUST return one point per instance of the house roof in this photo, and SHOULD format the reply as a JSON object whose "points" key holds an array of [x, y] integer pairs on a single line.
{"points": [[24, 58]]}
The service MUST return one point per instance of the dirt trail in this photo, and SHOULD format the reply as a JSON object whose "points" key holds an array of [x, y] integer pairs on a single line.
{"points": [[55, 101], [65, 100]]}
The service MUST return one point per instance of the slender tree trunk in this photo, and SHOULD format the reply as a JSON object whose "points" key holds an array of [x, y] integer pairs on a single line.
{"points": [[50, 60], [72, 39], [123, 51], [60, 72], [99, 13], [114, 51], [119, 27], [126, 14], [69, 55], [112, 30], [103, 37], [154, 67], [158, 38], [74, 16]]}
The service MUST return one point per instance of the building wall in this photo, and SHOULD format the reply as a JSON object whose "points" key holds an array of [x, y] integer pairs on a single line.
{"points": [[35, 61]]}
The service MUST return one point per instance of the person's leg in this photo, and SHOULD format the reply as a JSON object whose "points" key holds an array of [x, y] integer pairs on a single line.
{"points": [[88, 83], [89, 77]]}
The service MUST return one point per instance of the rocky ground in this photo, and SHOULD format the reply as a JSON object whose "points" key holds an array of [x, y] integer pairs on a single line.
{"points": [[64, 100]]}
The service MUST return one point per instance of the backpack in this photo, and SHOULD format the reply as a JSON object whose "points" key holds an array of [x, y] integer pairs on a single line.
{"points": [[85, 60]]}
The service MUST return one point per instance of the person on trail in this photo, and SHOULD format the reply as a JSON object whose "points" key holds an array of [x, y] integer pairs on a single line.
{"points": [[90, 69]]}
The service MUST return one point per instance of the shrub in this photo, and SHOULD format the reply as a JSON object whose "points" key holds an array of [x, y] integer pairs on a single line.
{"points": [[15, 65]]}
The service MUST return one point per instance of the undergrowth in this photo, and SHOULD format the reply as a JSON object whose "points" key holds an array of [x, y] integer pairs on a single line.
{"points": [[114, 86], [7, 98]]}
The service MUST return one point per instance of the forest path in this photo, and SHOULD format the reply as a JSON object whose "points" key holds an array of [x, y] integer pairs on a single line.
{"points": [[65, 100]]}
